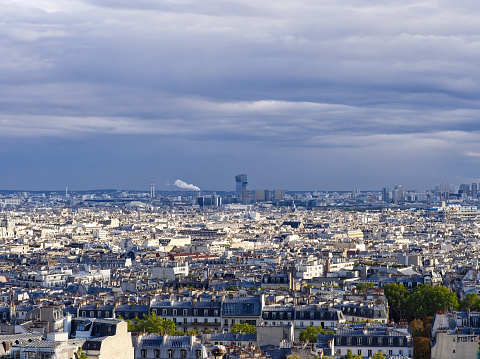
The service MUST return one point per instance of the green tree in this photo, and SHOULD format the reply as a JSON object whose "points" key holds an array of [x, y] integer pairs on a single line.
{"points": [[152, 324], [79, 354], [378, 355], [425, 301], [244, 328], [396, 295], [350, 355], [470, 302], [311, 334], [363, 286]]}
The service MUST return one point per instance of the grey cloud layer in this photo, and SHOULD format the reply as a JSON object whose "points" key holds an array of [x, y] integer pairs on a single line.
{"points": [[336, 74]]}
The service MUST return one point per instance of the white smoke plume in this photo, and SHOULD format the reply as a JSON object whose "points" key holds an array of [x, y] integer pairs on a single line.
{"points": [[181, 184]]}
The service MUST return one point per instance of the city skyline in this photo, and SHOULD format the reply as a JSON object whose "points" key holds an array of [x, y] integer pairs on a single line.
{"points": [[305, 95]]}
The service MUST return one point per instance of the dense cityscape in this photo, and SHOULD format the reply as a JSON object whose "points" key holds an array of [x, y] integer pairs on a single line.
{"points": [[240, 274], [239, 179]]}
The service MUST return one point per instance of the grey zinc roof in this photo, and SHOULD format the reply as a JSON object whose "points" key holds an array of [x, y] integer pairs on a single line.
{"points": [[174, 341]]}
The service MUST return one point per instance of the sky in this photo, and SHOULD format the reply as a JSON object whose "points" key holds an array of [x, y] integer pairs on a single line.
{"points": [[298, 95]]}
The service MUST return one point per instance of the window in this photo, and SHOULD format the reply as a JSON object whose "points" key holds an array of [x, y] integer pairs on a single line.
{"points": [[400, 352], [289, 315], [339, 341], [174, 312], [369, 352], [359, 351], [154, 311], [400, 341], [92, 314], [390, 341], [84, 313], [157, 353], [170, 353], [390, 352], [195, 312], [205, 312], [248, 308], [99, 313], [349, 340], [184, 320], [369, 341], [143, 353], [198, 353], [184, 312], [183, 353], [205, 320], [164, 312], [311, 324], [215, 312], [274, 315], [359, 341]]}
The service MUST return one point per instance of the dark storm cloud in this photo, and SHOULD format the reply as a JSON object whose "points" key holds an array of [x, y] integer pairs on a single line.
{"points": [[308, 76]]}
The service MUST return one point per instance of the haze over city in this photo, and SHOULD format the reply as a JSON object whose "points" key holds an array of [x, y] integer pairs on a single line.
{"points": [[304, 95]]}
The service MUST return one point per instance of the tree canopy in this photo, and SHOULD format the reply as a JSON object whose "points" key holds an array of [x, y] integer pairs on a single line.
{"points": [[350, 355], [396, 295], [470, 302], [421, 348], [311, 333], [363, 286], [244, 328], [425, 301], [154, 324]]}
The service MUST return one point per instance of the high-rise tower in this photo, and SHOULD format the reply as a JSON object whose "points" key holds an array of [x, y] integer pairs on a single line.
{"points": [[241, 187]]}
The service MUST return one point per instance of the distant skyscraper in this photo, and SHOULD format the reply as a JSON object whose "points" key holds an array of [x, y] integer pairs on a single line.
{"points": [[278, 195], [474, 190], [464, 190], [241, 187], [261, 195], [386, 194], [398, 194]]}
